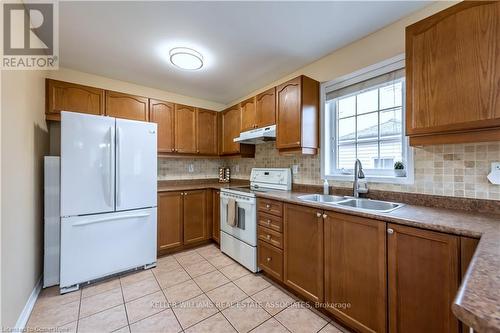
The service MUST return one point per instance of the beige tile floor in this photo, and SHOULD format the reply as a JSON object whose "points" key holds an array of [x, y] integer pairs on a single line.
{"points": [[199, 290]]}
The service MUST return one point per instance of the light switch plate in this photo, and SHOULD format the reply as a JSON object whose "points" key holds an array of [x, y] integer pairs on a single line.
{"points": [[237, 168], [295, 169], [190, 168]]}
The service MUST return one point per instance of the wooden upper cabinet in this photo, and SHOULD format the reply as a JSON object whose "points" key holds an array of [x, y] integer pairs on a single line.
{"points": [[185, 129], [65, 96], [248, 115], [303, 251], [126, 106], [231, 128], [265, 108], [423, 273], [163, 113], [453, 75], [195, 216], [206, 133], [355, 271], [169, 228], [298, 115]]}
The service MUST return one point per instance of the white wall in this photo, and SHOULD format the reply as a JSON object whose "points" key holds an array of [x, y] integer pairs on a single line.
{"points": [[24, 142]]}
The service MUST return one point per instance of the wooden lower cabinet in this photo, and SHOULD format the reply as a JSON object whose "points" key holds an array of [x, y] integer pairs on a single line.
{"points": [[303, 251], [355, 271], [270, 259], [195, 216], [170, 216], [216, 216], [183, 219], [423, 273]]}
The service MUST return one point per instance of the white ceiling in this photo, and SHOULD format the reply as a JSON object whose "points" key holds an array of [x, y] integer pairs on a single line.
{"points": [[246, 44]]}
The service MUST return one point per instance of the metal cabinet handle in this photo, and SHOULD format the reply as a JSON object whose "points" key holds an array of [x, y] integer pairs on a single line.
{"points": [[268, 222], [325, 216], [268, 236], [268, 206], [318, 214], [173, 149], [268, 259], [390, 231]]}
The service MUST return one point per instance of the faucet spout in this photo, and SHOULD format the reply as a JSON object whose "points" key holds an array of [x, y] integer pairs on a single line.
{"points": [[358, 174]]}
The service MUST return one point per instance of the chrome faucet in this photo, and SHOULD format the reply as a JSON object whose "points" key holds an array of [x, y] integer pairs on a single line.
{"points": [[358, 174]]}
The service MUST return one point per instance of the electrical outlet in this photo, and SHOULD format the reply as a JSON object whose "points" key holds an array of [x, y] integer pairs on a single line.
{"points": [[237, 168], [190, 168], [295, 169]]}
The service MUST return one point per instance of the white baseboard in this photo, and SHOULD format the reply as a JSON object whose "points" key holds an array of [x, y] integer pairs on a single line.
{"points": [[28, 307]]}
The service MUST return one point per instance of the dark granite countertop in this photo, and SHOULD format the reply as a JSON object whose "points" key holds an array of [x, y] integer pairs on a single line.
{"points": [[197, 184], [477, 303]]}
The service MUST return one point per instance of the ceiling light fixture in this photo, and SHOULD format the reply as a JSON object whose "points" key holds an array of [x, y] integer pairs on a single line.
{"points": [[186, 58]]}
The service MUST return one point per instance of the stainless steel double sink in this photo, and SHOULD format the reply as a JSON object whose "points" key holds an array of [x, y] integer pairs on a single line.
{"points": [[354, 203]]}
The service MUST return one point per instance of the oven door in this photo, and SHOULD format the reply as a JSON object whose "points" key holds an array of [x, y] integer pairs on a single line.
{"points": [[246, 227]]}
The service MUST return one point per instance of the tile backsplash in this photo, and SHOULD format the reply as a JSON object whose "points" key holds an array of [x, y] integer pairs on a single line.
{"points": [[452, 170]]}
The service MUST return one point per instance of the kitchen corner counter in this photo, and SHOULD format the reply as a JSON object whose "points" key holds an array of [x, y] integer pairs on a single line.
{"points": [[197, 184], [477, 303]]}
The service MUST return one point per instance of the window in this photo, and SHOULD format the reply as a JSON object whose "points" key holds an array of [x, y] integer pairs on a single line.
{"points": [[364, 119]]}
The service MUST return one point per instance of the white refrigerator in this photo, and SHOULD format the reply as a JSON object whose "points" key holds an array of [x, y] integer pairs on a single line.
{"points": [[108, 197]]}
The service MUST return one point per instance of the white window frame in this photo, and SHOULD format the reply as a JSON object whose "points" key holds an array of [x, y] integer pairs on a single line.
{"points": [[328, 123]]}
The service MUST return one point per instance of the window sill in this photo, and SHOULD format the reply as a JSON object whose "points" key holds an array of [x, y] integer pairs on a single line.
{"points": [[408, 180]]}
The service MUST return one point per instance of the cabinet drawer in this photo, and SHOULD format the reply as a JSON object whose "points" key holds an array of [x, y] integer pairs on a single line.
{"points": [[270, 221], [270, 206], [270, 236], [270, 260]]}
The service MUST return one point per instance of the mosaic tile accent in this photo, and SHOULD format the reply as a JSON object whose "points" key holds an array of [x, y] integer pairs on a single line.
{"points": [[458, 170]]}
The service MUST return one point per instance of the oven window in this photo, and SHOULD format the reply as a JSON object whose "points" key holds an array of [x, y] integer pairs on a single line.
{"points": [[241, 218]]}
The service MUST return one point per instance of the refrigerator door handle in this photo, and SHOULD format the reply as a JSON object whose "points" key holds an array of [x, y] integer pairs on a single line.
{"points": [[111, 166], [111, 218], [118, 175]]}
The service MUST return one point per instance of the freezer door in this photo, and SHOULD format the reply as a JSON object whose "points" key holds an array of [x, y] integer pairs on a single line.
{"points": [[96, 246], [87, 164], [136, 173]]}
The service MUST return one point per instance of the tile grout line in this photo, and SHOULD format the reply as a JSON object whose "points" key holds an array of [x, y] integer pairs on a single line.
{"points": [[124, 304], [168, 302], [79, 309]]}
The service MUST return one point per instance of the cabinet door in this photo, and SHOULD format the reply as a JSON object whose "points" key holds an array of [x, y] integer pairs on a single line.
{"points": [[126, 106], [216, 216], [170, 212], [65, 96], [248, 120], [185, 129], [453, 69], [163, 114], [195, 216], [231, 122], [265, 108], [423, 276], [355, 270], [303, 250], [206, 138], [288, 133]]}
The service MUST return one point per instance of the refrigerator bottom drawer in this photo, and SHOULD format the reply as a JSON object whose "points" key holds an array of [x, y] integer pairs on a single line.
{"points": [[95, 246]]}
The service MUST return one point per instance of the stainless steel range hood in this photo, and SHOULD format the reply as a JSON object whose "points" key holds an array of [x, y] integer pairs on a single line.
{"points": [[257, 136]]}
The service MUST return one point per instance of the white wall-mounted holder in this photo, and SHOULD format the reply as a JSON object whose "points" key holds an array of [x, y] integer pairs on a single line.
{"points": [[494, 175]]}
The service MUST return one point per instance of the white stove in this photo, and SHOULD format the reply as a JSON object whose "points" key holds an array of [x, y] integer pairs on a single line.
{"points": [[238, 237]]}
